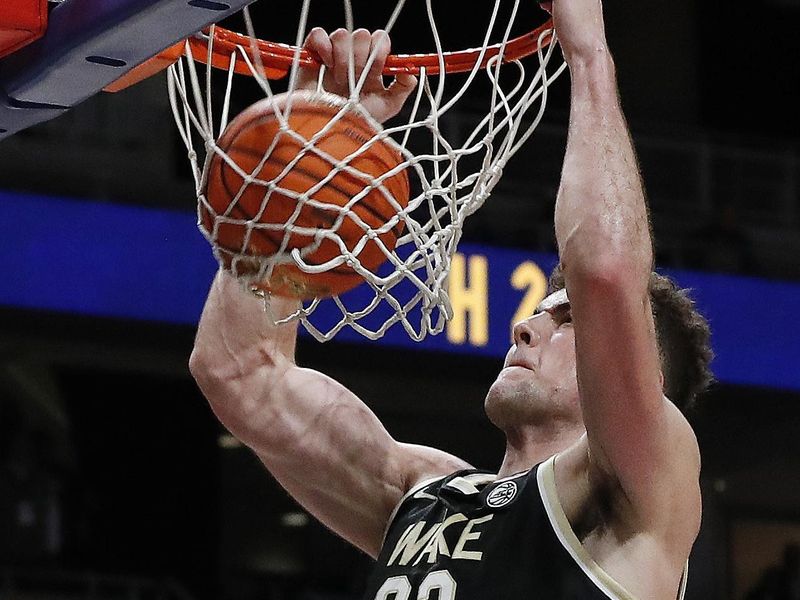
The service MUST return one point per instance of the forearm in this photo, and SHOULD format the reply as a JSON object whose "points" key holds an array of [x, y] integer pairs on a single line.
{"points": [[601, 217], [235, 336]]}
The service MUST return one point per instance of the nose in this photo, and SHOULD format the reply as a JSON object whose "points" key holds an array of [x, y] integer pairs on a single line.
{"points": [[525, 334]]}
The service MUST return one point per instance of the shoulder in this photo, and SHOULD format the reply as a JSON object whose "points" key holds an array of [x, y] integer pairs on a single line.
{"points": [[423, 464], [591, 496], [621, 538], [466, 481]]}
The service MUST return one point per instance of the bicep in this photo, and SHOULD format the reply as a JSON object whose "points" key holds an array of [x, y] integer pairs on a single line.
{"points": [[635, 435], [333, 455]]}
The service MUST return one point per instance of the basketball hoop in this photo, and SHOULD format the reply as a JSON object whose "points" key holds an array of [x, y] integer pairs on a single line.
{"points": [[277, 59], [455, 171]]}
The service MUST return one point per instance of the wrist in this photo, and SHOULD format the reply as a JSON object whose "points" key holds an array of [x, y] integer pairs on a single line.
{"points": [[595, 62], [594, 74]]}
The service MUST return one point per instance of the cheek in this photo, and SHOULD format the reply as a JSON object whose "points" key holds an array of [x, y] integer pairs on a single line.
{"points": [[565, 344]]}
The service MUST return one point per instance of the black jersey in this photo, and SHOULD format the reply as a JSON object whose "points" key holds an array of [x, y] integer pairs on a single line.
{"points": [[469, 536]]}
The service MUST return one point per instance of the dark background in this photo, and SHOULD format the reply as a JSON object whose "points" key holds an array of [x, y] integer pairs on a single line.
{"points": [[115, 479]]}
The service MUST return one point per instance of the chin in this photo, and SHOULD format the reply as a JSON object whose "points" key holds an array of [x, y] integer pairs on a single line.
{"points": [[518, 398], [510, 400]]}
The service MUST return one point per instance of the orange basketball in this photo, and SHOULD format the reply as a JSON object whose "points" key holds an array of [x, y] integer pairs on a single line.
{"points": [[255, 141]]}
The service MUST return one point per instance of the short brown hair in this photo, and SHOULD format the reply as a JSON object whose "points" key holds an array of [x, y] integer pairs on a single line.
{"points": [[683, 339]]}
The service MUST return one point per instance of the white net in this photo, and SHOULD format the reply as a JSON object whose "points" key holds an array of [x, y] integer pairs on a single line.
{"points": [[452, 171]]}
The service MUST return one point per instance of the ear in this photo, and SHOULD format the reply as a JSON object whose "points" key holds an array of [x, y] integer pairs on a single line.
{"points": [[661, 378]]}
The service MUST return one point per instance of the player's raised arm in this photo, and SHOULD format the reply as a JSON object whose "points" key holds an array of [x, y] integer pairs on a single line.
{"points": [[322, 443], [637, 439]]}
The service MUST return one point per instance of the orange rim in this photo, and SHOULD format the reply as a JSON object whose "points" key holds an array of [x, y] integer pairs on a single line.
{"points": [[277, 58]]}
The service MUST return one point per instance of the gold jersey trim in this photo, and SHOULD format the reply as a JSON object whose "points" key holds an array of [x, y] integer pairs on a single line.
{"points": [[546, 479]]}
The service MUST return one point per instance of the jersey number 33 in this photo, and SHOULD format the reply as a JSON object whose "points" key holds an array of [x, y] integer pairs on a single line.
{"points": [[399, 588]]}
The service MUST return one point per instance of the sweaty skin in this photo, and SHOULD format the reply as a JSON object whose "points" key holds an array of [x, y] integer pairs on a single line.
{"points": [[582, 380]]}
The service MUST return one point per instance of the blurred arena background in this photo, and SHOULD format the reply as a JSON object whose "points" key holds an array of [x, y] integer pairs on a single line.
{"points": [[117, 482]]}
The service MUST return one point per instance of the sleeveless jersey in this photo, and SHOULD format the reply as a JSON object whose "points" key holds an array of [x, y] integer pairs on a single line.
{"points": [[469, 536]]}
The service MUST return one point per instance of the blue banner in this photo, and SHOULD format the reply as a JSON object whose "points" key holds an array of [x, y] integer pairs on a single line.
{"points": [[109, 260]]}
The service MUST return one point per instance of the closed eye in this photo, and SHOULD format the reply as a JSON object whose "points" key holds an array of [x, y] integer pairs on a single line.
{"points": [[562, 315]]}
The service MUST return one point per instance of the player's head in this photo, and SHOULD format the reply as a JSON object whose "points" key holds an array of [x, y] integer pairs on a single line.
{"points": [[538, 383], [683, 339], [545, 343]]}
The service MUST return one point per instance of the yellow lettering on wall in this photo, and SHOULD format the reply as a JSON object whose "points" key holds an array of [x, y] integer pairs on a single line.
{"points": [[469, 295], [528, 276]]}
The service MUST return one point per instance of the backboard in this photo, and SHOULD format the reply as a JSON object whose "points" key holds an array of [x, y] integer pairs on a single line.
{"points": [[85, 45]]}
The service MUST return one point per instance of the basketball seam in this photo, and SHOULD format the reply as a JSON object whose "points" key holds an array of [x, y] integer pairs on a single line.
{"points": [[348, 118], [238, 140], [240, 212], [270, 236], [397, 230]]}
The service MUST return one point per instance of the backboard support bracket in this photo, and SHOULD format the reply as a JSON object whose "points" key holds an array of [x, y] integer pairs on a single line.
{"points": [[89, 44]]}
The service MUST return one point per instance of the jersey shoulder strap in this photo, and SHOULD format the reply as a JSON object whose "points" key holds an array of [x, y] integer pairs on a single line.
{"points": [[428, 489], [563, 530]]}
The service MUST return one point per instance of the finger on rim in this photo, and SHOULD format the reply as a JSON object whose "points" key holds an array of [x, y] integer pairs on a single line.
{"points": [[399, 91], [340, 40], [380, 47], [318, 42], [405, 82], [362, 41]]}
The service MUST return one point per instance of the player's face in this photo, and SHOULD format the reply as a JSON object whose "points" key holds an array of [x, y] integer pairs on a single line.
{"points": [[538, 381]]}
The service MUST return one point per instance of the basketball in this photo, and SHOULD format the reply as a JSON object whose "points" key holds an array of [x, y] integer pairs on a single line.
{"points": [[249, 219]]}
